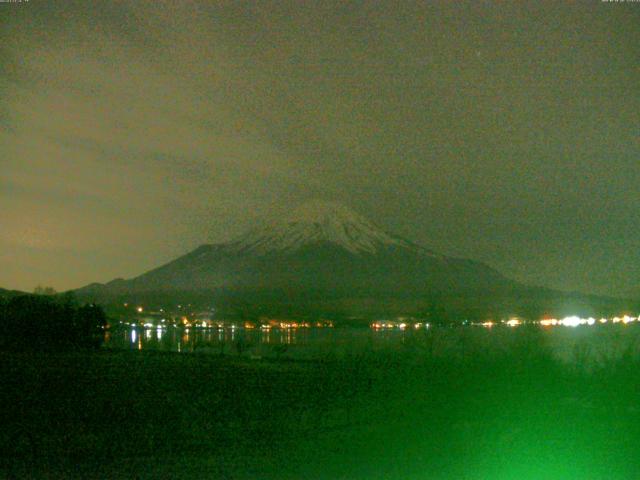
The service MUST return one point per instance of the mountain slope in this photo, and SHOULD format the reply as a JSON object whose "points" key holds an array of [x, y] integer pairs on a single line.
{"points": [[325, 255], [321, 247], [319, 222], [10, 293]]}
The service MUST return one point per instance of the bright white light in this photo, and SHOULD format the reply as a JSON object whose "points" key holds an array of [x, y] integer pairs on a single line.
{"points": [[603, 320], [591, 321], [572, 321], [514, 322], [547, 322], [139, 309]]}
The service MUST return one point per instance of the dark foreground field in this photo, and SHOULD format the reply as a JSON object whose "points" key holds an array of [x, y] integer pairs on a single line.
{"points": [[514, 415]]}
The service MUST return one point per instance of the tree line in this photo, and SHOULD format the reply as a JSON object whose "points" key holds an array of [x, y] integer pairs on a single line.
{"points": [[50, 322]]}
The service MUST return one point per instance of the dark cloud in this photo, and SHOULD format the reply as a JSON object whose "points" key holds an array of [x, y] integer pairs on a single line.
{"points": [[131, 132]]}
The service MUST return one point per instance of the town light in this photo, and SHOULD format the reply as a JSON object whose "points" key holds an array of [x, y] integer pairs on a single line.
{"points": [[572, 321]]}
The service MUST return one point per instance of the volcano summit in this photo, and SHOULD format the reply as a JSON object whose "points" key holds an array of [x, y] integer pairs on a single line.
{"points": [[320, 223], [327, 258]]}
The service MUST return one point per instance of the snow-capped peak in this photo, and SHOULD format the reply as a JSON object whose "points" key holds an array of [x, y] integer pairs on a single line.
{"points": [[319, 222]]}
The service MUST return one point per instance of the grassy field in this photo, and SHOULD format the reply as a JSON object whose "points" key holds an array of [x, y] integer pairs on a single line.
{"points": [[516, 414]]}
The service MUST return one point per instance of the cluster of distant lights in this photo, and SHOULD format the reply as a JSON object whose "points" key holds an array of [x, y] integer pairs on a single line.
{"points": [[398, 325], [207, 324], [185, 322], [575, 321], [570, 321]]}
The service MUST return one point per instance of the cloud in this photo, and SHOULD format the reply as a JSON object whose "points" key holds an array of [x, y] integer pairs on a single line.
{"points": [[134, 131]]}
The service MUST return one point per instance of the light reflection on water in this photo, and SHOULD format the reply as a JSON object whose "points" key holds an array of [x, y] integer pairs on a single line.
{"points": [[572, 345], [200, 339]]}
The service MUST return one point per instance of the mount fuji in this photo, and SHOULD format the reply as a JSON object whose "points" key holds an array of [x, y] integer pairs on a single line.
{"points": [[324, 257], [318, 223]]}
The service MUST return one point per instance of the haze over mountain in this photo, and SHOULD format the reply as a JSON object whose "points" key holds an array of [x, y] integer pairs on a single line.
{"points": [[485, 130], [327, 258]]}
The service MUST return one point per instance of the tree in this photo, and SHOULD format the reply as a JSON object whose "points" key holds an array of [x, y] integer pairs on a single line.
{"points": [[50, 323], [40, 290]]}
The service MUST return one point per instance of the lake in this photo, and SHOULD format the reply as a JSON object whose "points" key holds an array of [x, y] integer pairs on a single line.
{"points": [[585, 344]]}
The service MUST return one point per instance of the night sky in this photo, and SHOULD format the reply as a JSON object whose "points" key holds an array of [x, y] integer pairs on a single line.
{"points": [[132, 132]]}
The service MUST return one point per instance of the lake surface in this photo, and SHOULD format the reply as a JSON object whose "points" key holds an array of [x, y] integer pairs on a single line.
{"points": [[583, 344]]}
